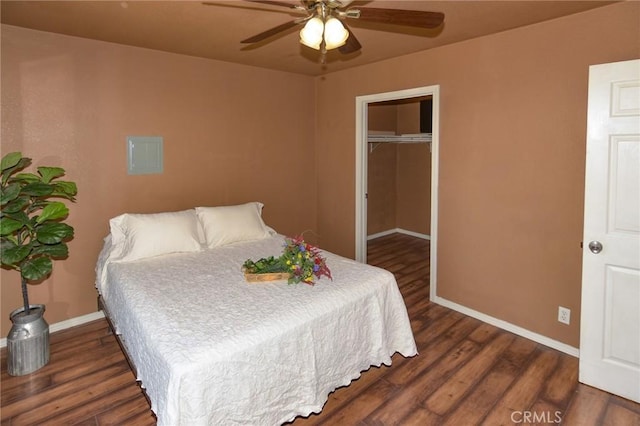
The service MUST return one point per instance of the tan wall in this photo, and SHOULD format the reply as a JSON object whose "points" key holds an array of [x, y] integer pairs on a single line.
{"points": [[71, 102], [408, 117], [382, 188], [413, 211], [512, 153], [383, 117]]}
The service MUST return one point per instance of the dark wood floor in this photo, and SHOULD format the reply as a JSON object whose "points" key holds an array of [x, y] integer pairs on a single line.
{"points": [[467, 373]]}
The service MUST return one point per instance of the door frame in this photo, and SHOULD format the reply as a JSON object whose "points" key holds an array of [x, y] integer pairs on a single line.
{"points": [[362, 126]]}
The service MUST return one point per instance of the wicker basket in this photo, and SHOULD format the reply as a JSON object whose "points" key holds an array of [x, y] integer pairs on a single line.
{"points": [[268, 277]]}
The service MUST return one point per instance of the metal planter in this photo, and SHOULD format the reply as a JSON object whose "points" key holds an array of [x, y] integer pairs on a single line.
{"points": [[28, 341]]}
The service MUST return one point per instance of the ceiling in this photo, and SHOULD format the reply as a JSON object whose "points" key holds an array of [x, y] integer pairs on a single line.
{"points": [[214, 31]]}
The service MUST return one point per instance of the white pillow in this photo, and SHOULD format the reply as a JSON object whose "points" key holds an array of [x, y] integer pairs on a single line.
{"points": [[229, 224], [138, 236]]}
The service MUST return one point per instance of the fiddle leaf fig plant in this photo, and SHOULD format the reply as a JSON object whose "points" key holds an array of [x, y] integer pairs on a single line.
{"points": [[32, 231]]}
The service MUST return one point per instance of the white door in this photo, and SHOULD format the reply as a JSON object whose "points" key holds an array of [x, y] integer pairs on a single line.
{"points": [[610, 320]]}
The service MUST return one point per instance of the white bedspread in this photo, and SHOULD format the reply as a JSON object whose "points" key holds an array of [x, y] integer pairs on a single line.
{"points": [[212, 349]]}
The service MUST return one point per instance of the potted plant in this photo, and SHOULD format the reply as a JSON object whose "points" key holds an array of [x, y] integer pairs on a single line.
{"points": [[32, 234]]}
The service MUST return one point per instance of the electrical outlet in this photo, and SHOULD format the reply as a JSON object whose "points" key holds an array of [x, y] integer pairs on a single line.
{"points": [[564, 315]]}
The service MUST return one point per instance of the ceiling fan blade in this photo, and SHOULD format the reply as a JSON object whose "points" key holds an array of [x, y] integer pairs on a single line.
{"points": [[411, 18], [338, 4], [274, 3], [273, 31], [352, 44]]}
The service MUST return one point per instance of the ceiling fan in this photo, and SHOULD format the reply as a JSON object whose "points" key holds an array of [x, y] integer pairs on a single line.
{"points": [[324, 27]]}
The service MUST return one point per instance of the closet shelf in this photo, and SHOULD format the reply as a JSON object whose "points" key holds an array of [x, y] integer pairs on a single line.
{"points": [[376, 138], [393, 138]]}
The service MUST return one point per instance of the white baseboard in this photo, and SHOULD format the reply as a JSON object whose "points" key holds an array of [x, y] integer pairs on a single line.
{"points": [[539, 338], [398, 231], [63, 325]]}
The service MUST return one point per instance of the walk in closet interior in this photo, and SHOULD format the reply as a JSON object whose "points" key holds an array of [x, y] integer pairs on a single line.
{"points": [[399, 167]]}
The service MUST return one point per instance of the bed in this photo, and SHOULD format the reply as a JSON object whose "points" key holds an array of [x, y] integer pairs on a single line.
{"points": [[210, 348]]}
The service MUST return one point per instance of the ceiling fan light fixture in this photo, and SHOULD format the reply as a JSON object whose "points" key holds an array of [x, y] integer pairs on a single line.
{"points": [[324, 29], [311, 34], [335, 34]]}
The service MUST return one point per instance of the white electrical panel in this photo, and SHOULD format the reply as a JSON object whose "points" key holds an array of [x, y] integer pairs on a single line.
{"points": [[144, 155]]}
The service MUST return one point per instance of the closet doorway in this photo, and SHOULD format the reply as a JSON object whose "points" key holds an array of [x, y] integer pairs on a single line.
{"points": [[366, 141]]}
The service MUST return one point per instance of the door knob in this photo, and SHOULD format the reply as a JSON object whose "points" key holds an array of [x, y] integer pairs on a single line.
{"points": [[595, 247]]}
